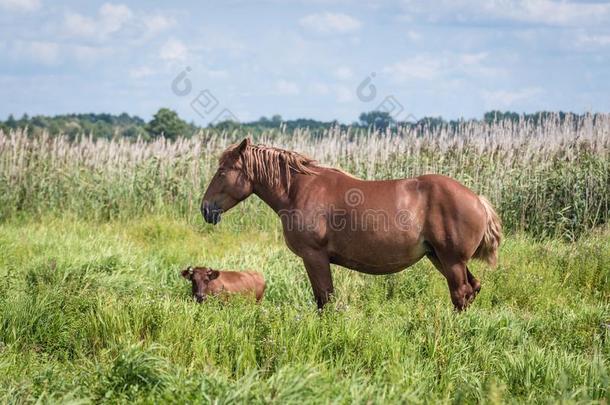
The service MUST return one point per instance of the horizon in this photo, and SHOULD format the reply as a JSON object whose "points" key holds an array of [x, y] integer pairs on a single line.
{"points": [[270, 117], [323, 60]]}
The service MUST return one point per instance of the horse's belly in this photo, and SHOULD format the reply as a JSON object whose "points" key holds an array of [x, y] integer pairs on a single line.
{"points": [[378, 258], [371, 268]]}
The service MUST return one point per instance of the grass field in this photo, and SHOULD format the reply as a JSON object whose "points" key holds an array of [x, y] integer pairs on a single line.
{"points": [[92, 307], [97, 311]]}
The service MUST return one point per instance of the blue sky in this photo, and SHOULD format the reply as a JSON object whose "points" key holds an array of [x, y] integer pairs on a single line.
{"points": [[320, 59]]}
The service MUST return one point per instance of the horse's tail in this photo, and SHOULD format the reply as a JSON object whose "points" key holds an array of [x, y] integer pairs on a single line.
{"points": [[488, 248]]}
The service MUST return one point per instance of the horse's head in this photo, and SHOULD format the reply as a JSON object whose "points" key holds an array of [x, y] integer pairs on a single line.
{"points": [[229, 186]]}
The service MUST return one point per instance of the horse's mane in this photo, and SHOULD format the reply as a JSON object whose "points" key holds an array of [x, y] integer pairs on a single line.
{"points": [[268, 165]]}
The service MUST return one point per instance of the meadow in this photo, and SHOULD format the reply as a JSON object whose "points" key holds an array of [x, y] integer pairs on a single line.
{"points": [[93, 235]]}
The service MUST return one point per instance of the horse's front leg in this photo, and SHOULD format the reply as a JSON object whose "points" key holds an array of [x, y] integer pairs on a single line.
{"points": [[318, 271]]}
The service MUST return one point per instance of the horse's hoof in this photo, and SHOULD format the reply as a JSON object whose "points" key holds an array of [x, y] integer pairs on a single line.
{"points": [[476, 286]]}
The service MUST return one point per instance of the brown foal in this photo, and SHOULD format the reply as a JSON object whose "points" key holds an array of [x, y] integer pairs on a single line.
{"points": [[375, 227], [206, 281]]}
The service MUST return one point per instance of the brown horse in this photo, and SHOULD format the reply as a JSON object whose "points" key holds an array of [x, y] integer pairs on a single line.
{"points": [[375, 227]]}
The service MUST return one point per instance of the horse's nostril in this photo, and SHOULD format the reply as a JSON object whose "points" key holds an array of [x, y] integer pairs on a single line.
{"points": [[205, 209]]}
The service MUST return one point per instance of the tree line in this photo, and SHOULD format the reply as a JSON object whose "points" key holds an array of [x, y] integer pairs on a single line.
{"points": [[168, 123]]}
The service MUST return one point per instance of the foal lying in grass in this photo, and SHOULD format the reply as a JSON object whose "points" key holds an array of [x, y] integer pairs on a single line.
{"points": [[206, 281]]}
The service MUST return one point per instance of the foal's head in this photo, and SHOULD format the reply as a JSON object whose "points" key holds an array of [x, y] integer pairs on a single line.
{"points": [[200, 278], [230, 184]]}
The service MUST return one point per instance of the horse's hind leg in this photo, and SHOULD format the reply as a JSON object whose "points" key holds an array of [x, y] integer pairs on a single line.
{"points": [[474, 283], [472, 280], [458, 279]]}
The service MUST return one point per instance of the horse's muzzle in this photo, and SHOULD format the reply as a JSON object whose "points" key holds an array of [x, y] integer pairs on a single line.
{"points": [[211, 212]]}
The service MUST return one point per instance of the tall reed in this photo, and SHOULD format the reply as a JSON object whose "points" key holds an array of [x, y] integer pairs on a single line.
{"points": [[550, 178]]}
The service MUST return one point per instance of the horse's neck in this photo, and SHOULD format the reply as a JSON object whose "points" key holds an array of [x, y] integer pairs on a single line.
{"points": [[274, 197], [278, 198]]}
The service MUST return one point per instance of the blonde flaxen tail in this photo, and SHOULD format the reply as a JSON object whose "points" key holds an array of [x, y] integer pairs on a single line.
{"points": [[488, 248]]}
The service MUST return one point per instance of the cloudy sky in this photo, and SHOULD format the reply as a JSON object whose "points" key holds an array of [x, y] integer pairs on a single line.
{"points": [[322, 59]]}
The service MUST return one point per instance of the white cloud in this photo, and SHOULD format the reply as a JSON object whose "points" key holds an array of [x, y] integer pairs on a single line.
{"points": [[157, 23], [221, 41], [418, 67], [541, 12], [558, 12], [330, 23], [343, 73], [319, 89], [593, 40], [507, 98], [78, 25], [286, 88], [110, 19], [434, 66], [413, 36], [141, 72], [85, 38], [87, 54], [344, 94], [54, 53], [43, 52], [113, 17], [20, 5], [217, 73], [470, 59], [173, 50]]}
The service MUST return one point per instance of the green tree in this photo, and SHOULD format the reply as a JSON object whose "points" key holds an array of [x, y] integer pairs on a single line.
{"points": [[378, 119], [167, 123], [11, 122], [495, 116], [24, 120]]}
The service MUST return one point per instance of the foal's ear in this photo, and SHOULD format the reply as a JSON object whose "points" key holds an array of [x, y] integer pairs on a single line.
{"points": [[213, 274], [188, 273], [244, 144]]}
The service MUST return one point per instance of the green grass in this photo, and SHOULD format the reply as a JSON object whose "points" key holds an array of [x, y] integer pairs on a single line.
{"points": [[95, 312]]}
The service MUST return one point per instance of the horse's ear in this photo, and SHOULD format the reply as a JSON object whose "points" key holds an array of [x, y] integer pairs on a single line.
{"points": [[244, 144]]}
